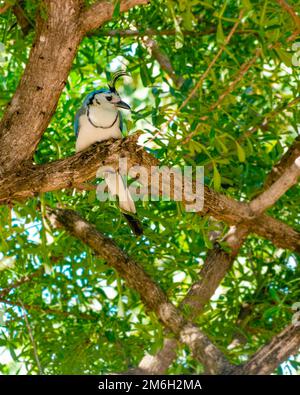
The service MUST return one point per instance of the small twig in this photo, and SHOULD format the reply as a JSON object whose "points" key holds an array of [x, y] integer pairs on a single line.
{"points": [[22, 281], [151, 294], [243, 70], [269, 197], [291, 11], [47, 310], [241, 73], [34, 346], [163, 60], [204, 75], [165, 32]]}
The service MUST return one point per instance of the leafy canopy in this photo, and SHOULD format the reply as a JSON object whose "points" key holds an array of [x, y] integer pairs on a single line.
{"points": [[83, 319]]}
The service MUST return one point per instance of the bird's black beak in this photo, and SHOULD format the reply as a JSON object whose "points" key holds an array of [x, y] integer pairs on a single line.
{"points": [[122, 104]]}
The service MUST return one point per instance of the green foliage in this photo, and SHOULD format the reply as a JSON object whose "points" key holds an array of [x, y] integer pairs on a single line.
{"points": [[83, 318]]}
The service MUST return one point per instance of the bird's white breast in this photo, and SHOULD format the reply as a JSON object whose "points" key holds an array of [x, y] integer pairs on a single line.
{"points": [[89, 134]]}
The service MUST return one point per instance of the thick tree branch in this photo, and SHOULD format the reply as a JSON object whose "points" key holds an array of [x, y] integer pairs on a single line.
{"points": [[102, 11], [164, 32], [216, 265], [270, 196], [4, 8], [57, 38], [151, 294], [83, 166], [163, 60], [267, 359]]}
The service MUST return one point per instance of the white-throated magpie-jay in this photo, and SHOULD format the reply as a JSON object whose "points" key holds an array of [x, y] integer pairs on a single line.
{"points": [[99, 119]]}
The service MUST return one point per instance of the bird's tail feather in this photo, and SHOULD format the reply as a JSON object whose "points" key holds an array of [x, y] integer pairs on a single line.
{"points": [[117, 187], [134, 224]]}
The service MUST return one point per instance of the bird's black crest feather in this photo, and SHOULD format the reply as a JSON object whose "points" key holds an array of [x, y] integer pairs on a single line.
{"points": [[115, 77], [134, 224]]}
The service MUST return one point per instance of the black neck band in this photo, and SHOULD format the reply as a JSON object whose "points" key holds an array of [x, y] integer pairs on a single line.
{"points": [[98, 126]]}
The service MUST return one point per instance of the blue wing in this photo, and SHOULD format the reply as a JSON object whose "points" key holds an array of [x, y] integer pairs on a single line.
{"points": [[80, 112], [82, 109]]}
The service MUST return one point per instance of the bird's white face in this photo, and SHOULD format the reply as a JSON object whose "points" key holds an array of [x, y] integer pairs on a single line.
{"points": [[109, 101]]}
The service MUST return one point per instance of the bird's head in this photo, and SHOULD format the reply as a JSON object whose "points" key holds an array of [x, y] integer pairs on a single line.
{"points": [[109, 99]]}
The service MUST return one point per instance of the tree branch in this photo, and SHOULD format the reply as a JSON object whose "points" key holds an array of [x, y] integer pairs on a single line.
{"points": [[151, 294], [216, 265], [22, 19], [33, 343], [204, 75], [285, 162], [270, 196], [46, 310], [163, 32], [218, 262], [268, 117], [34, 102], [69, 172], [163, 60], [236, 79], [21, 281], [291, 11], [4, 8], [102, 11], [267, 359]]}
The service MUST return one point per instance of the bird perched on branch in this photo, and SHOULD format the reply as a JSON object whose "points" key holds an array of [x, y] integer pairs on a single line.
{"points": [[99, 119]]}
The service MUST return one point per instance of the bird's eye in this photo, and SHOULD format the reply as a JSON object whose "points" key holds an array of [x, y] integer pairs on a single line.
{"points": [[109, 98]]}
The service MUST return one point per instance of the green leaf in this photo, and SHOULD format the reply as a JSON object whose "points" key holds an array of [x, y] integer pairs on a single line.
{"points": [[144, 75], [284, 56], [240, 152], [217, 179], [117, 6], [247, 4], [220, 33]]}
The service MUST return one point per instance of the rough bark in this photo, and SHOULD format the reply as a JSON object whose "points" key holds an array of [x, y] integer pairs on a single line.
{"points": [[268, 357], [262, 362], [284, 182], [34, 102], [58, 35], [83, 166], [216, 265], [57, 39]]}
